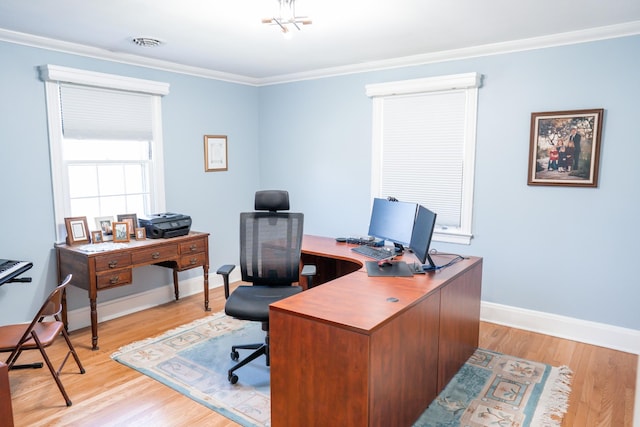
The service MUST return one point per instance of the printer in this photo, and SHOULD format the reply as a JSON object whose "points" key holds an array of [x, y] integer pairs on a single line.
{"points": [[166, 224]]}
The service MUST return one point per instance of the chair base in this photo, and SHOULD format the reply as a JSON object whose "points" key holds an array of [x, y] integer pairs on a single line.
{"points": [[260, 349]]}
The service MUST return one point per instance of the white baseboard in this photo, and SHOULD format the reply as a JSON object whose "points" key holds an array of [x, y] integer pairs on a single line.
{"points": [[81, 317], [600, 334]]}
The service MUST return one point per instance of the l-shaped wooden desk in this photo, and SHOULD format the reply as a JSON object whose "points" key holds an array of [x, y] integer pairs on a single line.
{"points": [[369, 351]]}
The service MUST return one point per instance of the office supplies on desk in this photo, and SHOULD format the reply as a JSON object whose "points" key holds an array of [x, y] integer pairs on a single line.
{"points": [[10, 269], [164, 225], [374, 253]]}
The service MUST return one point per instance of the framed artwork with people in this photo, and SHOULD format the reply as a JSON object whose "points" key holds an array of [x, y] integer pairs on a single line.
{"points": [[565, 148]]}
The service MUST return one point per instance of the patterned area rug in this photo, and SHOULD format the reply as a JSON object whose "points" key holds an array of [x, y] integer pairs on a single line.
{"points": [[491, 389], [494, 389]]}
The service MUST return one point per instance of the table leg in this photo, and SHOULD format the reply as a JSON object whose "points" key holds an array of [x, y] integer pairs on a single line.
{"points": [[94, 324], [176, 291], [206, 288]]}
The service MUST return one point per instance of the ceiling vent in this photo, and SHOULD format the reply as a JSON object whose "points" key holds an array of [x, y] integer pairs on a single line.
{"points": [[146, 41]]}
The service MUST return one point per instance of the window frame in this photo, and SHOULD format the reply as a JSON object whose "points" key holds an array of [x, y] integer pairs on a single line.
{"points": [[53, 76], [467, 82]]}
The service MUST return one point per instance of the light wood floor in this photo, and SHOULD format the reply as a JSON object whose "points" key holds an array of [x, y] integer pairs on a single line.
{"points": [[112, 394]]}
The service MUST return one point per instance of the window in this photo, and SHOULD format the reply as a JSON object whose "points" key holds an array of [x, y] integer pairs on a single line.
{"points": [[106, 144], [424, 134]]}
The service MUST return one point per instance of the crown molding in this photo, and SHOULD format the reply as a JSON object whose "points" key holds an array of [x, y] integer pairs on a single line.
{"points": [[561, 39], [124, 58]]}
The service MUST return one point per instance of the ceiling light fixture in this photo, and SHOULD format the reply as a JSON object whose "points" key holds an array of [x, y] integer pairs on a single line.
{"points": [[146, 41], [286, 16]]}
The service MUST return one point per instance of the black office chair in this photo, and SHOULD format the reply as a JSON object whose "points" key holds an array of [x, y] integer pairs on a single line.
{"points": [[270, 244]]}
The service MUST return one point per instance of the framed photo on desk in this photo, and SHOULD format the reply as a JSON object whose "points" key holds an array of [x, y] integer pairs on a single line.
{"points": [[77, 230], [120, 232]]}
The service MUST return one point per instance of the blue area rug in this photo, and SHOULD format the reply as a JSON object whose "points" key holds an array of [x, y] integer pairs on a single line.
{"points": [[491, 389]]}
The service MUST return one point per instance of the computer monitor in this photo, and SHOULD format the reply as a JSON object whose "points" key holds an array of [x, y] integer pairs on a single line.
{"points": [[421, 236], [393, 221]]}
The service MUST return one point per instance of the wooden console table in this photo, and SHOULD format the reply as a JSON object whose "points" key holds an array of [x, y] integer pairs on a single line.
{"points": [[96, 271], [369, 351]]}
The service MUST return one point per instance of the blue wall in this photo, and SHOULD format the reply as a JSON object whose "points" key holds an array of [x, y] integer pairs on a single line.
{"points": [[193, 108], [562, 250]]}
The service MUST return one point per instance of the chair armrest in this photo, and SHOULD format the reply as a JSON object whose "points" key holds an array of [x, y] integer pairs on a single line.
{"points": [[224, 271], [309, 271]]}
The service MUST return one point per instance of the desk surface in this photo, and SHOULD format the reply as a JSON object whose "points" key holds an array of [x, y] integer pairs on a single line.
{"points": [[334, 300]]}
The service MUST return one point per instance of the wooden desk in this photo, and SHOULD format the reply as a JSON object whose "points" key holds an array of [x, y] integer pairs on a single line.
{"points": [[97, 271], [369, 351]]}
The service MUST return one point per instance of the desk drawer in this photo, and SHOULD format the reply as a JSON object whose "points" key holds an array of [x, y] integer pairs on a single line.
{"points": [[192, 247], [113, 278], [112, 261], [193, 260], [162, 253]]}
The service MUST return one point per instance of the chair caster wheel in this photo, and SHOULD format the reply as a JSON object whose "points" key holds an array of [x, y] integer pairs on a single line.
{"points": [[235, 355], [233, 378]]}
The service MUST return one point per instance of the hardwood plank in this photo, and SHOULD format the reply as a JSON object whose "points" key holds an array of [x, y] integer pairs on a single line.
{"points": [[112, 394]]}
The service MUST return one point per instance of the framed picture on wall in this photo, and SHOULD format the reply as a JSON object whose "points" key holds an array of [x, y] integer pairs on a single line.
{"points": [[215, 153], [565, 148]]}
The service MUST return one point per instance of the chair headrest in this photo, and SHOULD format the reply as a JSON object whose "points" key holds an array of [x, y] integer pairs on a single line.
{"points": [[272, 200]]}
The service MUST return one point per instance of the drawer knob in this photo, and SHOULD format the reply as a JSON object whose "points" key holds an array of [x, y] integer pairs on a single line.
{"points": [[193, 261], [193, 247], [114, 280], [113, 264], [155, 255]]}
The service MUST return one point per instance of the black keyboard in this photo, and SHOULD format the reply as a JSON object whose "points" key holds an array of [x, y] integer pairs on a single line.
{"points": [[10, 269], [373, 252]]}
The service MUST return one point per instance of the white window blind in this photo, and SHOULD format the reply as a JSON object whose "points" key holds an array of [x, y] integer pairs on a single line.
{"points": [[424, 147], [94, 113], [105, 136], [422, 152]]}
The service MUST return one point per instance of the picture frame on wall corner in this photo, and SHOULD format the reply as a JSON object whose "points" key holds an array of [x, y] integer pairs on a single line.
{"points": [[565, 148], [215, 153], [77, 230]]}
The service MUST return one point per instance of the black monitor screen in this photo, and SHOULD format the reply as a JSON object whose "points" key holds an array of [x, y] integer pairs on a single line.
{"points": [[392, 221], [421, 236]]}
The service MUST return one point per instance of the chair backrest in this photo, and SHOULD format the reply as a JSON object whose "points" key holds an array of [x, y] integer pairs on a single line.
{"points": [[270, 241], [53, 304]]}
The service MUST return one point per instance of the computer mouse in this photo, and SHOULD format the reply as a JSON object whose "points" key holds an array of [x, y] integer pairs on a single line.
{"points": [[384, 263], [341, 239]]}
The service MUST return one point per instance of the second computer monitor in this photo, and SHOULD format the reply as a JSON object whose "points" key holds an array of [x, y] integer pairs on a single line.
{"points": [[393, 221], [421, 236]]}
